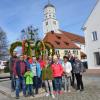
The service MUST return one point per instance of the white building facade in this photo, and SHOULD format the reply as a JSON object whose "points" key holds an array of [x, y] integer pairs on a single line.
{"points": [[50, 22], [92, 38]]}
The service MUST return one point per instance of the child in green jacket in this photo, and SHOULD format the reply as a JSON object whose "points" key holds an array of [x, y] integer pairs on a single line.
{"points": [[29, 82]]}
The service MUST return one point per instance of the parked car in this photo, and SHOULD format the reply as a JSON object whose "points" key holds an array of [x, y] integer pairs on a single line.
{"points": [[3, 64], [85, 64]]}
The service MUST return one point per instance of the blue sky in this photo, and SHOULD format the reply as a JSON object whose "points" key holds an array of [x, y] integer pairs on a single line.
{"points": [[18, 14]]}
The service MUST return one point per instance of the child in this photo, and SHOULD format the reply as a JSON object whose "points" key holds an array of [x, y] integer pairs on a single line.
{"points": [[36, 70], [47, 77], [29, 82]]}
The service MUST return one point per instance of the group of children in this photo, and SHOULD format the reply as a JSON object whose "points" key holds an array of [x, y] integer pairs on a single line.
{"points": [[31, 73]]}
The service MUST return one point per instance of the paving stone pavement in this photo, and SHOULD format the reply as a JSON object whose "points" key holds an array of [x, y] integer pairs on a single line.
{"points": [[92, 91]]}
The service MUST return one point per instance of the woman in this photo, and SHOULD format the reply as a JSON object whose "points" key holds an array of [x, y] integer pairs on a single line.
{"points": [[47, 77], [67, 73], [57, 74], [78, 69]]}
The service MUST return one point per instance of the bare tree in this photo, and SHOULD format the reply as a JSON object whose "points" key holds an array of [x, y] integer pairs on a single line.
{"points": [[3, 45]]}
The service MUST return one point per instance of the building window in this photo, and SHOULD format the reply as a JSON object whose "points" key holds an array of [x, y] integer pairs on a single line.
{"points": [[46, 23], [46, 17], [97, 58], [54, 16], [58, 37], [75, 52], [50, 16], [94, 36], [57, 52], [54, 22], [66, 52], [58, 43], [66, 43]]}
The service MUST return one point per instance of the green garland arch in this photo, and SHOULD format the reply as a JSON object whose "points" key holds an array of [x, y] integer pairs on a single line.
{"points": [[14, 45], [40, 48]]}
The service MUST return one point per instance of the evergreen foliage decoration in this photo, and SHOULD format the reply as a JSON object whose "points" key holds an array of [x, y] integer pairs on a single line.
{"points": [[14, 45], [40, 48]]}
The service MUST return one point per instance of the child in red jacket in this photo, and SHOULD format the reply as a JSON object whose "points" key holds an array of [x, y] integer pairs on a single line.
{"points": [[57, 70]]}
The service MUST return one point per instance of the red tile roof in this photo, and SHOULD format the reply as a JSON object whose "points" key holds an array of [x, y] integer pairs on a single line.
{"points": [[60, 41], [74, 37]]}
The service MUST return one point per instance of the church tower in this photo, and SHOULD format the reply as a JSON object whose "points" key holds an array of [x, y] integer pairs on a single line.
{"points": [[50, 22]]}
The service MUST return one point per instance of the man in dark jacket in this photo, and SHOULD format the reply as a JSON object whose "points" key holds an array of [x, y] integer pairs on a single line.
{"points": [[71, 60], [19, 71], [12, 61], [78, 69]]}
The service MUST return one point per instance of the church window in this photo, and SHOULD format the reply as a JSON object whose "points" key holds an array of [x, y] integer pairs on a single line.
{"points": [[54, 22], [46, 17], [46, 23], [50, 16]]}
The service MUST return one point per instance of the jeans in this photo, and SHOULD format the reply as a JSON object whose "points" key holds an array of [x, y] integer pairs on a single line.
{"points": [[36, 84], [58, 83], [67, 82], [73, 79], [13, 82], [48, 84], [29, 88], [19, 81], [79, 81]]}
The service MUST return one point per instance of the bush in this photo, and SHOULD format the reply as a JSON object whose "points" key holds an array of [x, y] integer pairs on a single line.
{"points": [[6, 69]]}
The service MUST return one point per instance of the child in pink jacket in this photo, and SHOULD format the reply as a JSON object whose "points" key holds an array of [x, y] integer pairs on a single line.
{"points": [[57, 70]]}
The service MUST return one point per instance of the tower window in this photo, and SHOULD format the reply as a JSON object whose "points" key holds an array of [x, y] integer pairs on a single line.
{"points": [[46, 23], [49, 15], [54, 22]]}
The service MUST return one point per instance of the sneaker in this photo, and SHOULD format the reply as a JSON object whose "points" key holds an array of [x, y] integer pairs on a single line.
{"points": [[17, 97], [47, 94], [60, 92], [78, 90], [69, 91], [82, 90], [55, 92], [65, 91], [25, 95], [31, 97], [53, 96]]}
